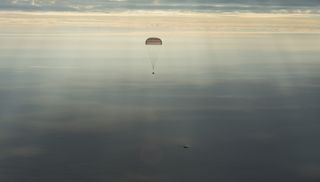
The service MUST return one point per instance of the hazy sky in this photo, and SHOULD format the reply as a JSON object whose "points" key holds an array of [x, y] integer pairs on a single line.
{"points": [[306, 6]]}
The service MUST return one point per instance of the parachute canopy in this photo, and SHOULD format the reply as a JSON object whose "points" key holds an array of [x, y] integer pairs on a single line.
{"points": [[153, 41]]}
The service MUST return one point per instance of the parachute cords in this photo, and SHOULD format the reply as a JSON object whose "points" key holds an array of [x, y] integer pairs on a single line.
{"points": [[153, 69]]}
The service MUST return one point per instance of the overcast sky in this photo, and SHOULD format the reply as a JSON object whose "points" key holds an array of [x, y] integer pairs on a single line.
{"points": [[193, 5]]}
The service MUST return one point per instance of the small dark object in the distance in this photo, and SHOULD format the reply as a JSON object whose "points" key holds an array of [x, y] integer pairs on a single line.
{"points": [[153, 73], [186, 146]]}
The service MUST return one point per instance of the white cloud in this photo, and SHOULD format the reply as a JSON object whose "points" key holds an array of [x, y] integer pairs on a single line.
{"points": [[174, 21]]}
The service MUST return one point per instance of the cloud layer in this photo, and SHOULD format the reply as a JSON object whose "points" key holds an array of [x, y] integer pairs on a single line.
{"points": [[310, 6]]}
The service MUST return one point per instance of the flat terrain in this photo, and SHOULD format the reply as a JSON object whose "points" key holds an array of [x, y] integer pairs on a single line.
{"points": [[78, 101]]}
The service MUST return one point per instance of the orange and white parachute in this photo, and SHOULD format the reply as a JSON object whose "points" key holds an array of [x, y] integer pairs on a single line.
{"points": [[153, 44]]}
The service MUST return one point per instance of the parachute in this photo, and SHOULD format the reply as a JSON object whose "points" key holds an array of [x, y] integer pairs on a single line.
{"points": [[153, 41], [153, 44]]}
